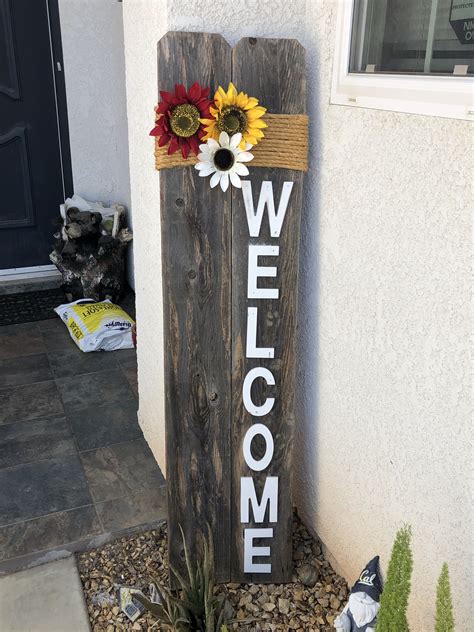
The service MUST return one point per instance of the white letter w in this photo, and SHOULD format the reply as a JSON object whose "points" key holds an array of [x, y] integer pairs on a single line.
{"points": [[254, 219]]}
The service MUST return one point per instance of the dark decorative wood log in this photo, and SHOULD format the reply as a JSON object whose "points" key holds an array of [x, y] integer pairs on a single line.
{"points": [[91, 263], [195, 228], [96, 277], [272, 70]]}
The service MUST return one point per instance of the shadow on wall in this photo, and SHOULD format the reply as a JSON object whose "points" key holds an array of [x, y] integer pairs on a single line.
{"points": [[307, 365]]}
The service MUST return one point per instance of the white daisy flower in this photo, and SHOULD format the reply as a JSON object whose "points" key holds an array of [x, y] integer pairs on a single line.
{"points": [[224, 160]]}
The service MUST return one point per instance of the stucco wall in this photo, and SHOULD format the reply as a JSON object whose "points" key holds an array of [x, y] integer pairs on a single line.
{"points": [[383, 434], [94, 66], [144, 24]]}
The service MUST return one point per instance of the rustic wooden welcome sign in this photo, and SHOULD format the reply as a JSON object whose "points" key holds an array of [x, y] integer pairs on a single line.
{"points": [[230, 268]]}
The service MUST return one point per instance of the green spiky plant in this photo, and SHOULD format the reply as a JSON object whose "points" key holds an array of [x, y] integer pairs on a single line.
{"points": [[392, 615], [444, 603], [170, 614], [197, 608]]}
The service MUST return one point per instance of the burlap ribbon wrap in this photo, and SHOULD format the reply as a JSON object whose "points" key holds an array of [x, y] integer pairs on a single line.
{"points": [[285, 146]]}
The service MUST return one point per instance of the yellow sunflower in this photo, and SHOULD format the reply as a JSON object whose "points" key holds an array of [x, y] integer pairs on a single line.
{"points": [[235, 113]]}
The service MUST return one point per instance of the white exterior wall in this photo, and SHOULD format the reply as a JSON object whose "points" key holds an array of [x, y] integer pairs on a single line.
{"points": [[383, 435], [94, 66], [385, 388], [144, 25]]}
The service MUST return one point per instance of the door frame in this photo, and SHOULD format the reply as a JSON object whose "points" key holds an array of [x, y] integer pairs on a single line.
{"points": [[57, 68]]}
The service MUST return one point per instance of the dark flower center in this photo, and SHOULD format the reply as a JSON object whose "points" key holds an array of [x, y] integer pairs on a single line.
{"points": [[184, 120], [232, 120], [224, 159]]}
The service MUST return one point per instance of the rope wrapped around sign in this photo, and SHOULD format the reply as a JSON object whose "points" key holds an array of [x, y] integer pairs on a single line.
{"points": [[285, 146]]}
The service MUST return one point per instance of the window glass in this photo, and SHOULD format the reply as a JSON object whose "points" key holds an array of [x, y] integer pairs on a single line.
{"points": [[413, 36]]}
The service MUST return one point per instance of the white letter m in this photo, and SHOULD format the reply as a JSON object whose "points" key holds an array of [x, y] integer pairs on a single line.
{"points": [[248, 496]]}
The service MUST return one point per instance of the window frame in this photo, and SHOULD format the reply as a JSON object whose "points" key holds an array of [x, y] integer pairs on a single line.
{"points": [[448, 96]]}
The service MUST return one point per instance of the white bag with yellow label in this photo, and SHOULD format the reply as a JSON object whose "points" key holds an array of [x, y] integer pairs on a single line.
{"points": [[97, 326]]}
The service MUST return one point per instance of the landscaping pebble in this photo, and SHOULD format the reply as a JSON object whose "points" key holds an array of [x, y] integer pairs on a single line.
{"points": [[309, 604]]}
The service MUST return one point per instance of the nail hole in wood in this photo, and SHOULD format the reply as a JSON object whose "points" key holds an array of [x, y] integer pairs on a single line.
{"points": [[179, 202], [192, 274], [252, 41], [213, 397]]}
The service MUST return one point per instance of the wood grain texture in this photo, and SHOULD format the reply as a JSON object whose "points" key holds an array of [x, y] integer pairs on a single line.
{"points": [[195, 228], [273, 71]]}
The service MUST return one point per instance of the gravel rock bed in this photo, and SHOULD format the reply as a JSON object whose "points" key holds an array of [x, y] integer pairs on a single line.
{"points": [[309, 604]]}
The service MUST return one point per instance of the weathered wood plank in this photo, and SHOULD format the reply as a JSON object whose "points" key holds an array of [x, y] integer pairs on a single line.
{"points": [[274, 72], [195, 230]]}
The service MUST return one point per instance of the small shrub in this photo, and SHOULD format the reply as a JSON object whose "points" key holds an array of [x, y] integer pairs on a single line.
{"points": [[444, 603], [169, 613], [392, 615], [196, 607]]}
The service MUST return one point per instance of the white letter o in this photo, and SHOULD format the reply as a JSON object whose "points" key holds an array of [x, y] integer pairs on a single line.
{"points": [[258, 429]]}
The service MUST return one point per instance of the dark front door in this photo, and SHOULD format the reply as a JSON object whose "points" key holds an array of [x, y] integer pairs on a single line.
{"points": [[31, 161]]}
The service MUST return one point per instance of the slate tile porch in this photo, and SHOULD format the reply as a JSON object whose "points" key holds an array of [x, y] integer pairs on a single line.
{"points": [[75, 470]]}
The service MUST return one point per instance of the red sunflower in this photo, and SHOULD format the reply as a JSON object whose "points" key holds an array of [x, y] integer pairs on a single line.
{"points": [[178, 118]]}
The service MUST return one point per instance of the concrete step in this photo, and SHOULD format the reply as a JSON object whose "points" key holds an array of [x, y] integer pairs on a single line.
{"points": [[31, 284], [47, 598]]}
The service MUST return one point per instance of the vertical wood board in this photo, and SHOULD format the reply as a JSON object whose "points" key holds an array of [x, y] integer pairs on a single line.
{"points": [[205, 246], [195, 229], [273, 71]]}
